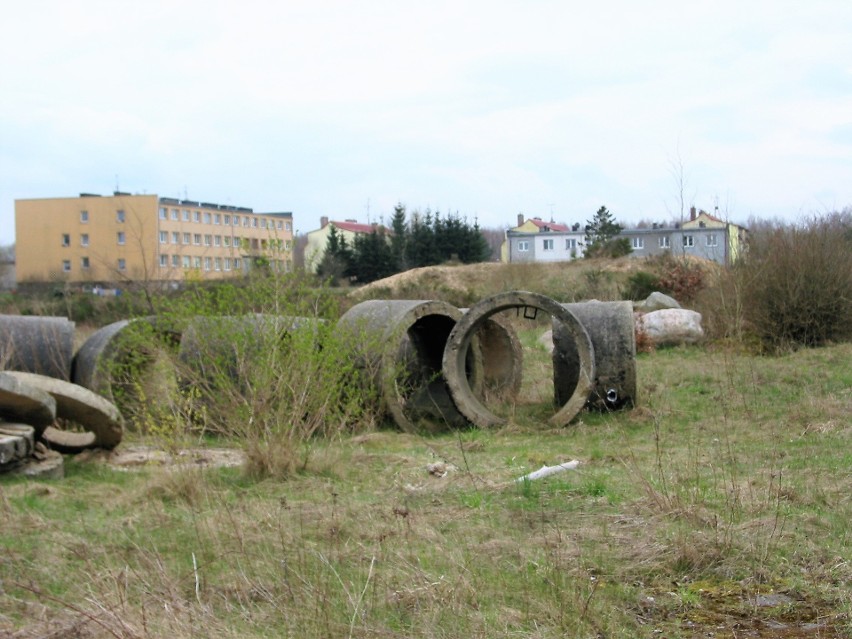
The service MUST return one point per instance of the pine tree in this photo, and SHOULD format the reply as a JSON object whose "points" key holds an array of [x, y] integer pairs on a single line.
{"points": [[602, 236]]}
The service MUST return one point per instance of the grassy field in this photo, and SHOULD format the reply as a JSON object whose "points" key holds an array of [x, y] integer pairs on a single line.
{"points": [[719, 507]]}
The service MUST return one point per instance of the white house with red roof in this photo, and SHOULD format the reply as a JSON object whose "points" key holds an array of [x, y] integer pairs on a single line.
{"points": [[318, 239]]}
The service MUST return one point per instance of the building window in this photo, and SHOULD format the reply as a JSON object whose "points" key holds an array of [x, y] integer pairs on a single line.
{"points": [[217, 240], [196, 216], [226, 240], [84, 239], [164, 261], [236, 220], [227, 263], [175, 237], [688, 241], [570, 244], [175, 261], [638, 243], [187, 238], [217, 219], [119, 216], [196, 262], [238, 264], [66, 239], [208, 263], [66, 266], [208, 240], [287, 245], [84, 263], [120, 237], [122, 264], [186, 215], [254, 222], [84, 216], [263, 222], [287, 226], [206, 217], [523, 246], [227, 220], [164, 237], [218, 263], [280, 225], [711, 240], [196, 239], [548, 245], [164, 213], [175, 214], [187, 261], [664, 242]]}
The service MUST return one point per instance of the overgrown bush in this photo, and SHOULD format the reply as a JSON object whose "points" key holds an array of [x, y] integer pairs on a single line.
{"points": [[797, 281], [260, 364], [641, 284], [680, 277]]}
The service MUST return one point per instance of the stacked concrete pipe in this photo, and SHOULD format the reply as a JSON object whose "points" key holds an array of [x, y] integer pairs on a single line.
{"points": [[461, 338], [43, 345], [610, 327], [401, 343]]}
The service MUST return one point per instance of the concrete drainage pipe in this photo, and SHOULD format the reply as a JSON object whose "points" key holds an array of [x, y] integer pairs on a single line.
{"points": [[460, 339], [42, 345], [401, 342], [610, 326]]}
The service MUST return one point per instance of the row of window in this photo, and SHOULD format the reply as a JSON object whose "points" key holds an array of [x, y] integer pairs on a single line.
{"points": [[196, 239], [196, 262], [226, 219], [663, 242], [84, 264], [208, 218]]}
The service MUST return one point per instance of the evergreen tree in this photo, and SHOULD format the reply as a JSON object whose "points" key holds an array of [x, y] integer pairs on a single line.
{"points": [[336, 260], [397, 240], [602, 236], [372, 258]]}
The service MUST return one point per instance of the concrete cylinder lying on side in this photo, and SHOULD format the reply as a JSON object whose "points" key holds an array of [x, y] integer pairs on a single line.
{"points": [[402, 343], [502, 360], [121, 358], [610, 326], [459, 342], [220, 347], [42, 345]]}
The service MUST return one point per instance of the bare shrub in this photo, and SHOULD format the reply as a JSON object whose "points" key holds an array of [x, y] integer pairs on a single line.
{"points": [[797, 281]]}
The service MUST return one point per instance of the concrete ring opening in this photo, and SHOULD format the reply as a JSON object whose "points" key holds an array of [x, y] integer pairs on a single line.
{"points": [[459, 344], [403, 341]]}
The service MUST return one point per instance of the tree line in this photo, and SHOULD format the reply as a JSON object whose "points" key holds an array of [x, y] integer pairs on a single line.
{"points": [[421, 239]]}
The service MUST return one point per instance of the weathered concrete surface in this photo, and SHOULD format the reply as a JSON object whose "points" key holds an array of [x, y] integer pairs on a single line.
{"points": [[656, 301], [43, 345], [502, 361], [16, 444], [82, 406], [25, 403], [44, 464], [670, 327], [401, 343], [459, 342], [120, 358], [611, 328]]}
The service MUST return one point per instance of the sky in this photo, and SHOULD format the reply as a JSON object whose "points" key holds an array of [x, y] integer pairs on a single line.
{"points": [[485, 109]]}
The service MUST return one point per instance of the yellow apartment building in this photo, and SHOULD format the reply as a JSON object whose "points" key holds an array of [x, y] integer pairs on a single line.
{"points": [[126, 237]]}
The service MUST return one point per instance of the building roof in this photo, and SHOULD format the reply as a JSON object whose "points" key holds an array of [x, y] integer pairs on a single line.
{"points": [[355, 227], [548, 226]]}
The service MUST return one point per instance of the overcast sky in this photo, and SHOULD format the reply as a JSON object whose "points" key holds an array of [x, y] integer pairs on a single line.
{"points": [[488, 108]]}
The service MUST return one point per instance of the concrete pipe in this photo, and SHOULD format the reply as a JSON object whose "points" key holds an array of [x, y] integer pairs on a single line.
{"points": [[610, 326], [119, 359], [401, 342], [500, 361], [220, 347], [25, 403], [459, 342], [43, 345]]}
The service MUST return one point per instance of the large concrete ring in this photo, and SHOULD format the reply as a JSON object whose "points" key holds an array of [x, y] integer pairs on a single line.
{"points": [[42, 345], [25, 403], [401, 342], [459, 342]]}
